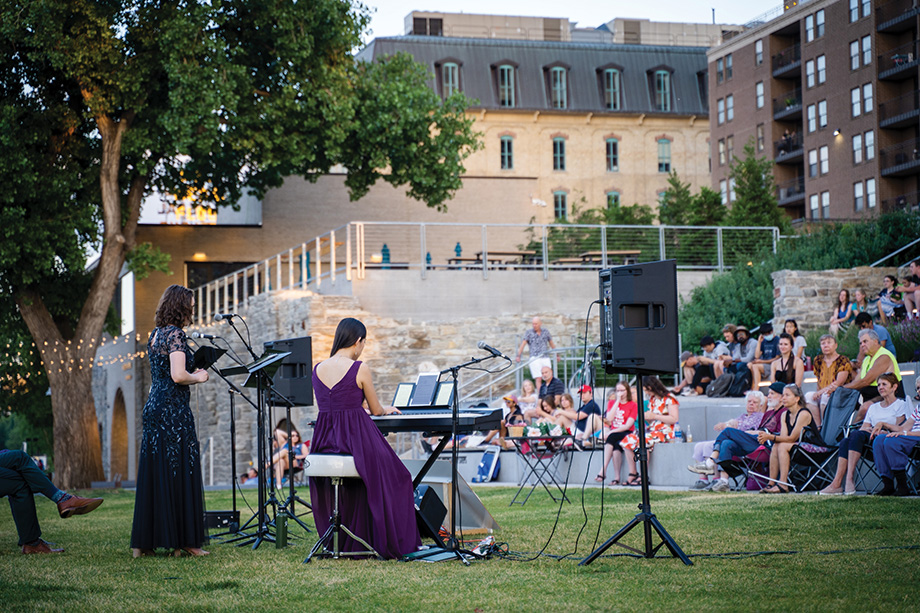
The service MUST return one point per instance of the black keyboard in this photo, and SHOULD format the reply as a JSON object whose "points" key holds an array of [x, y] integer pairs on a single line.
{"points": [[425, 420]]}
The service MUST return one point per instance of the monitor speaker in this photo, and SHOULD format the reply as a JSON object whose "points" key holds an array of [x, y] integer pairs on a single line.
{"points": [[639, 318], [293, 380]]}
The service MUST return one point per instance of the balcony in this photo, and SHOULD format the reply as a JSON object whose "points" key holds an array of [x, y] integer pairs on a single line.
{"points": [[791, 193], [788, 149], [896, 16], [900, 112], [904, 202], [788, 106], [901, 160], [787, 63], [899, 64]]}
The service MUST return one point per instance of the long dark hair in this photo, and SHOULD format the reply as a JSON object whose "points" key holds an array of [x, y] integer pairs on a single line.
{"points": [[794, 325], [175, 307], [655, 386], [846, 301], [348, 332]]}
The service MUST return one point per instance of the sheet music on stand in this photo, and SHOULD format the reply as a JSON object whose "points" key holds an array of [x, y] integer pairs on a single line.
{"points": [[206, 356], [269, 364]]}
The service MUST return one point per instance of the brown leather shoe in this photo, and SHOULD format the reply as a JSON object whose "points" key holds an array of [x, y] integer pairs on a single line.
{"points": [[77, 506], [40, 546]]}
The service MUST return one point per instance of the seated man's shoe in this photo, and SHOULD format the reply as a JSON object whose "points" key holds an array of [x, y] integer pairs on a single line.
{"points": [[40, 546], [77, 506]]}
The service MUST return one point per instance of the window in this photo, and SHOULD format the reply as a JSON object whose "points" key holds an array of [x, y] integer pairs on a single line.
{"points": [[721, 152], [758, 52], [813, 205], [560, 205], [812, 163], [450, 78], [809, 28], [558, 89], [866, 50], [720, 111], [613, 200], [821, 63], [758, 94], [822, 114], [866, 8], [870, 193], [854, 55], [720, 70], [664, 155], [854, 10], [723, 191], [729, 107], [728, 67], [858, 197], [760, 137], [868, 101], [857, 149], [612, 89], [507, 153], [662, 90], [810, 73], [730, 148], [823, 155], [819, 24], [613, 155], [855, 102], [558, 154], [870, 144], [506, 86], [731, 189], [812, 117], [826, 205]]}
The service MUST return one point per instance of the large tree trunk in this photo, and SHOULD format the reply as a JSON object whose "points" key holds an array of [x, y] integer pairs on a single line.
{"points": [[77, 448]]}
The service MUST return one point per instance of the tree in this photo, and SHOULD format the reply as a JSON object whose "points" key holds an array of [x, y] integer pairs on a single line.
{"points": [[676, 202], [706, 209], [101, 102], [755, 195]]}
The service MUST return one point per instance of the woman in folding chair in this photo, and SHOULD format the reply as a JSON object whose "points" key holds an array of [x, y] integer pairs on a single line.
{"points": [[886, 415], [892, 452], [798, 426]]}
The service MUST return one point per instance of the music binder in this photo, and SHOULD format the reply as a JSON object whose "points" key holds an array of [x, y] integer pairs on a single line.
{"points": [[205, 356], [269, 364]]}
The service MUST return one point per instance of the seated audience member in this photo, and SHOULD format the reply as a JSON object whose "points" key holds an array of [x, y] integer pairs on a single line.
{"points": [[251, 477], [565, 414], [767, 349], [891, 450], [590, 418], [910, 291], [512, 416], [864, 322], [546, 409], [281, 458], [832, 371], [735, 442], [709, 365], [755, 404], [791, 328], [887, 415], [843, 313], [527, 401], [877, 360], [742, 351], [862, 304], [889, 299], [787, 367], [688, 363], [620, 420], [662, 414], [797, 427], [551, 385]]}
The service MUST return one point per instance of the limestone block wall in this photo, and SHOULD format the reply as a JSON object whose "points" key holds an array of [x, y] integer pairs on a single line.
{"points": [[808, 296]]}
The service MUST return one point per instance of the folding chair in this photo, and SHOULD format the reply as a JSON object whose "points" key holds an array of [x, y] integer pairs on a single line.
{"points": [[913, 468], [815, 463], [865, 468], [740, 469]]}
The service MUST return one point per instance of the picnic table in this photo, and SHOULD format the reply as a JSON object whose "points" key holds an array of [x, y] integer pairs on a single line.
{"points": [[517, 256]]}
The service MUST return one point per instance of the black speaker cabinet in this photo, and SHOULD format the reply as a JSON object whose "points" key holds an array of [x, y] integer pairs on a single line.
{"points": [[639, 318], [293, 380], [430, 513]]}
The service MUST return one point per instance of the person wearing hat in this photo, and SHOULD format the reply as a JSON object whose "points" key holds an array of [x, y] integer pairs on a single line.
{"points": [[766, 351], [735, 442], [589, 418]]}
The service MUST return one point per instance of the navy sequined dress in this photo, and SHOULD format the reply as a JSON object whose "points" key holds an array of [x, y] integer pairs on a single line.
{"points": [[169, 506]]}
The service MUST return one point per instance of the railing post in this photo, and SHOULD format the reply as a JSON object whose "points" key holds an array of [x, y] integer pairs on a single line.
{"points": [[348, 252], [290, 268], [422, 249], [207, 296], [332, 256], [775, 233], [485, 253], [236, 292], [303, 266], [545, 254], [200, 303], [721, 262], [603, 246], [662, 252], [278, 284]]}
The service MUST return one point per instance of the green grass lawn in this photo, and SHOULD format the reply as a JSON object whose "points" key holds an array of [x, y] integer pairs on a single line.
{"points": [[824, 553]]}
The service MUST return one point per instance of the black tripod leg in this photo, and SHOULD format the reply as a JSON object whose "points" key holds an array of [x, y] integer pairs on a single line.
{"points": [[676, 551], [613, 539]]}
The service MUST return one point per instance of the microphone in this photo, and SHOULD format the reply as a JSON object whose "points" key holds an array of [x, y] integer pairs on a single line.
{"points": [[221, 316], [200, 335], [495, 352]]}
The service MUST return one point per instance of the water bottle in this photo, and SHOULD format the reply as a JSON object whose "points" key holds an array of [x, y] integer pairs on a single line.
{"points": [[689, 434], [678, 434]]}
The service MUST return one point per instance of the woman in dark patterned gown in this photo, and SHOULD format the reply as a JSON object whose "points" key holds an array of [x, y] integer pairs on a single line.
{"points": [[169, 506], [379, 507]]}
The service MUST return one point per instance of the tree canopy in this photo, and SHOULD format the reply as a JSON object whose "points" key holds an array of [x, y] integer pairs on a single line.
{"points": [[102, 102], [755, 201]]}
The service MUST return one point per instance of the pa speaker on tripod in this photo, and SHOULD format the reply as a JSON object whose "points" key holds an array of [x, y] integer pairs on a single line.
{"points": [[639, 318], [293, 380]]}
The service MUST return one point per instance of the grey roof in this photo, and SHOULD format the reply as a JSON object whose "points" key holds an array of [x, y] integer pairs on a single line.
{"points": [[477, 56]]}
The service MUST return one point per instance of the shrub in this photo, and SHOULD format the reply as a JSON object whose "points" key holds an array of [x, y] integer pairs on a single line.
{"points": [[905, 335]]}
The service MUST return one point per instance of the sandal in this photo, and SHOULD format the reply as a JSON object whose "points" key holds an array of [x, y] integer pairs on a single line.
{"points": [[615, 482], [774, 489], [195, 552], [634, 479], [599, 478]]}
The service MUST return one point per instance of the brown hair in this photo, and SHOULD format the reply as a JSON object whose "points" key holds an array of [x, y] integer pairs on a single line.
{"points": [[569, 398], [890, 378], [628, 387], [175, 307]]}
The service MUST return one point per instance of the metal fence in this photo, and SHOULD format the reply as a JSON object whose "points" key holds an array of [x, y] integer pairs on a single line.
{"points": [[351, 250]]}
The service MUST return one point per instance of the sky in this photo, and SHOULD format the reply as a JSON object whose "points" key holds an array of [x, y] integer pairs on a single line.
{"points": [[388, 16]]}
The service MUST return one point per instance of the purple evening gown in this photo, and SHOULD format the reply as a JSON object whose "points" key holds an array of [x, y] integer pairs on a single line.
{"points": [[380, 507]]}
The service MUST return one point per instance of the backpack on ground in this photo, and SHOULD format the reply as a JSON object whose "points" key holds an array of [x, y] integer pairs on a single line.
{"points": [[489, 465], [741, 383], [718, 387]]}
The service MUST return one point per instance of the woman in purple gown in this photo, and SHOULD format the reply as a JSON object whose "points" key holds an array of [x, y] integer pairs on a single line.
{"points": [[379, 507]]}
